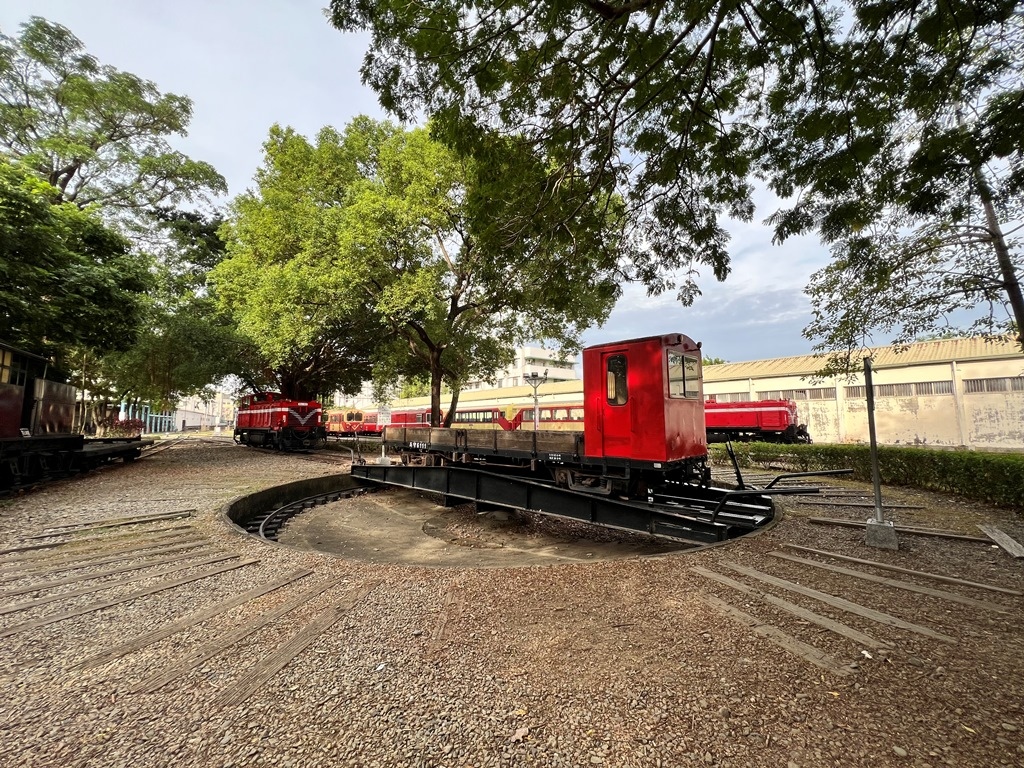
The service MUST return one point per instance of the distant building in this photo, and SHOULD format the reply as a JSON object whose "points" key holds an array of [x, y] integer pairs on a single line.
{"points": [[949, 392], [528, 361]]}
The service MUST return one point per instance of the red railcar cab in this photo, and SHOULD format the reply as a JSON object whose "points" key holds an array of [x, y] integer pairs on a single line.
{"points": [[643, 400]]}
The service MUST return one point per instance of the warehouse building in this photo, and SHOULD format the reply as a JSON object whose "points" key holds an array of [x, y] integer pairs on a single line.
{"points": [[945, 393]]}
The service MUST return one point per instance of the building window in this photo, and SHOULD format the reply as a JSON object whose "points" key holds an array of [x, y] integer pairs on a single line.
{"points": [[894, 390], [858, 391], [616, 380], [1003, 384], [934, 388]]}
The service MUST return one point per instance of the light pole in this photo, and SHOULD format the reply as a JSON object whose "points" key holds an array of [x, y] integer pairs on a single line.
{"points": [[535, 380]]}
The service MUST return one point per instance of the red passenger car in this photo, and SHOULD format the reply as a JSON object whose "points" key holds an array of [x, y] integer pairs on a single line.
{"points": [[271, 420]]}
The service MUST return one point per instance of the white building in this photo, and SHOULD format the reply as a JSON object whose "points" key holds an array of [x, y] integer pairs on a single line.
{"points": [[529, 361]]}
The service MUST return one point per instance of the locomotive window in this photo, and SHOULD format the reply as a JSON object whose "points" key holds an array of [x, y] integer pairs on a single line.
{"points": [[683, 375], [617, 390], [576, 414]]}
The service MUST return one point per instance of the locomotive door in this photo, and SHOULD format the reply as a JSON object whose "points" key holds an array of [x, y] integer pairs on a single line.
{"points": [[616, 406]]}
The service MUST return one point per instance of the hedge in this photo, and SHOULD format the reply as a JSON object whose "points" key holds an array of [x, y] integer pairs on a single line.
{"points": [[993, 477]]}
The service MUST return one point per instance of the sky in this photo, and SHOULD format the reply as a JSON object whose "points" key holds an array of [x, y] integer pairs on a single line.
{"points": [[247, 64]]}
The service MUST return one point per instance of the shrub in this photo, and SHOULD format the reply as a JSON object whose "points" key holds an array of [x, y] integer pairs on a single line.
{"points": [[124, 428]]}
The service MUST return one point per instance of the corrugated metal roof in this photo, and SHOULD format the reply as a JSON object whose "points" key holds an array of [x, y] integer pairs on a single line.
{"points": [[921, 353]]}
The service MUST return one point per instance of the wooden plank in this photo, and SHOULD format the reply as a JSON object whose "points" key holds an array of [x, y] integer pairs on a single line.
{"points": [[64, 530], [99, 558], [15, 607], [898, 569], [841, 603], [92, 540], [26, 626], [899, 529], [198, 617], [814, 618], [895, 583], [452, 604], [869, 504], [270, 665], [788, 643], [222, 643], [39, 587], [1004, 540]]}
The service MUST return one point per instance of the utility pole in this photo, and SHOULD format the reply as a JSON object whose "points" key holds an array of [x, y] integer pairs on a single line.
{"points": [[535, 380], [879, 532]]}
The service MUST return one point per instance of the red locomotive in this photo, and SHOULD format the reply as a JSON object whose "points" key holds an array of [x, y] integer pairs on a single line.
{"points": [[770, 421], [270, 420]]}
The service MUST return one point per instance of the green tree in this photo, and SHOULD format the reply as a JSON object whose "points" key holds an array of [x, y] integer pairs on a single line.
{"points": [[641, 101], [66, 279], [904, 144], [96, 134], [424, 235], [894, 126], [391, 228], [188, 344], [306, 339]]}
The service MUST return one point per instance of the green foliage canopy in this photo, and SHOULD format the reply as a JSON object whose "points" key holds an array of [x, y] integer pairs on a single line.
{"points": [[306, 339], [892, 127], [393, 234], [66, 279], [96, 134]]}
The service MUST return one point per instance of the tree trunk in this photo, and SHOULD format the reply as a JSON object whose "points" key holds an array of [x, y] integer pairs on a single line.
{"points": [[450, 416], [1010, 279], [1011, 282], [435, 387]]}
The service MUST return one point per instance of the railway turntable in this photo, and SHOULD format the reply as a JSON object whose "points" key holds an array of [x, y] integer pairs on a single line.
{"points": [[640, 463]]}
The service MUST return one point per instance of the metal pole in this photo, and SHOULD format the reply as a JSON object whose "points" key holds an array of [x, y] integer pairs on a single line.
{"points": [[875, 478], [534, 380]]}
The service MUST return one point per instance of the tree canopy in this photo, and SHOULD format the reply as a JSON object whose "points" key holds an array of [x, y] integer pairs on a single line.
{"points": [[891, 127], [66, 279], [408, 243], [187, 343], [96, 134]]}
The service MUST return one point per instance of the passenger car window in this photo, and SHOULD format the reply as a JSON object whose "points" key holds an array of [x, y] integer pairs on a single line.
{"points": [[617, 390], [683, 375]]}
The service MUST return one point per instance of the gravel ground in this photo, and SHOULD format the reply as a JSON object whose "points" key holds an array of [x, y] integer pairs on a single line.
{"points": [[617, 663]]}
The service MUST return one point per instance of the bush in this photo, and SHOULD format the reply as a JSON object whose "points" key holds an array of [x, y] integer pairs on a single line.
{"points": [[993, 477], [124, 428]]}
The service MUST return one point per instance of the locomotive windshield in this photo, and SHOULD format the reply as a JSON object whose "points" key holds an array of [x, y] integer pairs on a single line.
{"points": [[683, 375]]}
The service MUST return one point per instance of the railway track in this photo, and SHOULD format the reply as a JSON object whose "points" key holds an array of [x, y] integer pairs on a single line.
{"points": [[267, 525], [75, 575]]}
